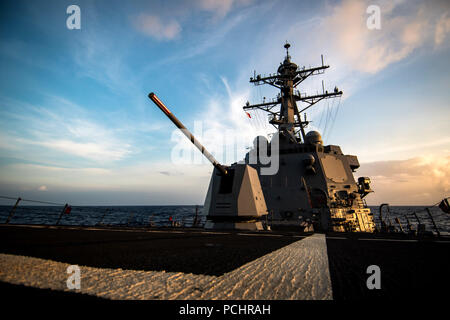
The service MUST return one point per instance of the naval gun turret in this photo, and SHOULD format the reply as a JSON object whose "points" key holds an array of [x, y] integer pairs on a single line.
{"points": [[235, 199]]}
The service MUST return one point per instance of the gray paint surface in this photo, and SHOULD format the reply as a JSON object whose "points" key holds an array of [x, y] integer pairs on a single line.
{"points": [[298, 271]]}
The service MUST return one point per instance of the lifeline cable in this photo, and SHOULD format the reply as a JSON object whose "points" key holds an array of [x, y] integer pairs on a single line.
{"points": [[37, 201]]}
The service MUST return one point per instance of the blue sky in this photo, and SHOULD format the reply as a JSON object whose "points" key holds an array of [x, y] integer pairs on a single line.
{"points": [[76, 124]]}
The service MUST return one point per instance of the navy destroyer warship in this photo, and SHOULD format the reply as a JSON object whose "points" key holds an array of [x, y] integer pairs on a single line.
{"points": [[313, 185], [310, 214]]}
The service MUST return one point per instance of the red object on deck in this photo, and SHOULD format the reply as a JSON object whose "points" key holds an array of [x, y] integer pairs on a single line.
{"points": [[68, 209]]}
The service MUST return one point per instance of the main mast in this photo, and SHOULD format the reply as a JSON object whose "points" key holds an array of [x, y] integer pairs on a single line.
{"points": [[287, 119]]}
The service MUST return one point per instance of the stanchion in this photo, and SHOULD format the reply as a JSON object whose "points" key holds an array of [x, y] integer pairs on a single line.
{"points": [[62, 212], [129, 219], [196, 217], [103, 216], [11, 213], [434, 224]]}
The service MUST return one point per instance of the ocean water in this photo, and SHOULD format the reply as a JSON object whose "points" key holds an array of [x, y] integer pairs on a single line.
{"points": [[183, 216], [106, 215], [405, 213]]}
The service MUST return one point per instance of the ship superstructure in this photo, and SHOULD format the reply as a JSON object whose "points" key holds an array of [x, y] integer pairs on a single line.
{"points": [[314, 183], [312, 188]]}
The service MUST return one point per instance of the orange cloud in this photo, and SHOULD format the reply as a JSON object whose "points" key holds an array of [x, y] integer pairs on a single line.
{"points": [[417, 181]]}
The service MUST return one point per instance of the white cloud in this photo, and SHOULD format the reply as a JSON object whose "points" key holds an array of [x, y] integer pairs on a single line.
{"points": [[221, 7], [90, 150], [223, 127], [157, 27], [166, 24], [442, 29], [155, 176], [56, 128], [405, 27]]}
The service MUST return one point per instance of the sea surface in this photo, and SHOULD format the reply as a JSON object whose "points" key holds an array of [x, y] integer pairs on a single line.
{"points": [[184, 215], [106, 215], [405, 214]]}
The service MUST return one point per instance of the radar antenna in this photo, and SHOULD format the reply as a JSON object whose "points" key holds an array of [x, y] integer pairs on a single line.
{"points": [[287, 78]]}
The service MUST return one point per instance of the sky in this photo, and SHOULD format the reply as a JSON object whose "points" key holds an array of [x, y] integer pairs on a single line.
{"points": [[76, 124]]}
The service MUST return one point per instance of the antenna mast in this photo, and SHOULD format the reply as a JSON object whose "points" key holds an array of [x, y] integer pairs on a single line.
{"points": [[287, 78]]}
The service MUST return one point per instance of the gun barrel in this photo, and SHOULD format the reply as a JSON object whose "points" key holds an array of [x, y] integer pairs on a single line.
{"points": [[187, 133]]}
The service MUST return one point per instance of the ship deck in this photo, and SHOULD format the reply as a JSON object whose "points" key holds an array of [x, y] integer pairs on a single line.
{"points": [[214, 264]]}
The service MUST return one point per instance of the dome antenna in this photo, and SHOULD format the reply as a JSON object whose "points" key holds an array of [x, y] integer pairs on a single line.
{"points": [[287, 46]]}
